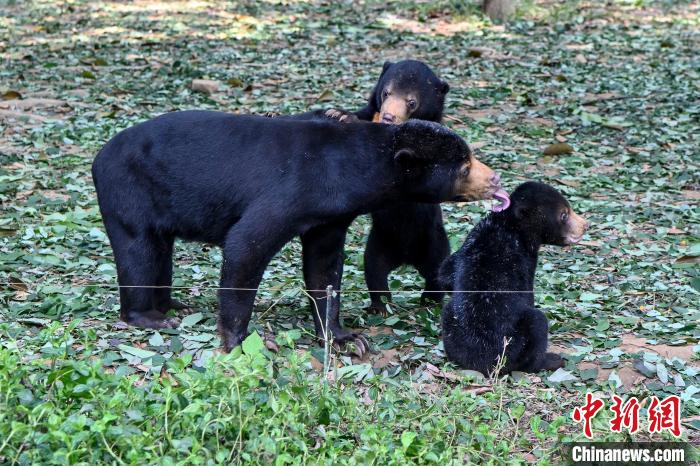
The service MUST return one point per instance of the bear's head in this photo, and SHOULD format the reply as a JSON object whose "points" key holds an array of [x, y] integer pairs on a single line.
{"points": [[542, 213], [408, 89], [428, 153]]}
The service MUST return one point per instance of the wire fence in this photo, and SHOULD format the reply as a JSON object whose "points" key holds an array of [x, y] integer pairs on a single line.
{"points": [[274, 289], [197, 288]]}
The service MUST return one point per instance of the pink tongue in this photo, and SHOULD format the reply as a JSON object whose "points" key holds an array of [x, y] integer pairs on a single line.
{"points": [[502, 197]]}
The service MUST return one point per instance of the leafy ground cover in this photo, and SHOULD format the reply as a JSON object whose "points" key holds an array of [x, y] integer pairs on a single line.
{"points": [[616, 86]]}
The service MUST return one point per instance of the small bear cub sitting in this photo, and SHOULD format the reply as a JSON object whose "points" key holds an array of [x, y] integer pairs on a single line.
{"points": [[500, 255]]}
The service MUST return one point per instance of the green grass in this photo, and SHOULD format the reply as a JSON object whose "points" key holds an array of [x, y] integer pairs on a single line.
{"points": [[619, 83]]}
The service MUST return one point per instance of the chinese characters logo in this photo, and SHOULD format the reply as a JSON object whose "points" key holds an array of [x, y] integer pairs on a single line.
{"points": [[663, 415]]}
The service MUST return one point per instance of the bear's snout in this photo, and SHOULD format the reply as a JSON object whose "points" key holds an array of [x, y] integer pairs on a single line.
{"points": [[481, 182], [577, 227]]}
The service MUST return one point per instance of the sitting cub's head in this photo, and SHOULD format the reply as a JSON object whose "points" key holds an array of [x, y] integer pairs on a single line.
{"points": [[542, 212]]}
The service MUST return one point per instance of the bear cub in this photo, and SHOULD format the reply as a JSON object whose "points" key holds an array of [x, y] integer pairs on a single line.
{"points": [[500, 255]]}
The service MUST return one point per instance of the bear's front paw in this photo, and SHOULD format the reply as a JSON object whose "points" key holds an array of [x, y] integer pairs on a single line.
{"points": [[341, 116]]}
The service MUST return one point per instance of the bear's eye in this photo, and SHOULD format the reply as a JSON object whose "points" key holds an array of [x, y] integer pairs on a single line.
{"points": [[385, 94], [412, 104], [464, 170], [564, 216]]}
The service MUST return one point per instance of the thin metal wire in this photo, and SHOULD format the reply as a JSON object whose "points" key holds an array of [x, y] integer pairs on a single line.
{"points": [[224, 288]]}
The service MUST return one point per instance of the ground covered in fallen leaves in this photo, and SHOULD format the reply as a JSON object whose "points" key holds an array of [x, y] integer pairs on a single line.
{"points": [[616, 87]]}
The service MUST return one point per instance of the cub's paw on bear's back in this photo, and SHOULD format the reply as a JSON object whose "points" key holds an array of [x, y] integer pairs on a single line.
{"points": [[492, 310], [341, 115]]}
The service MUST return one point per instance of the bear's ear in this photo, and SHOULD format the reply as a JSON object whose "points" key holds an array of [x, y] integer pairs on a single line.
{"points": [[519, 211], [387, 65], [406, 157], [444, 88]]}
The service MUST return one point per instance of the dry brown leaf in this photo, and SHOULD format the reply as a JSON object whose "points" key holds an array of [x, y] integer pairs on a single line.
{"points": [[373, 331], [10, 95], [481, 113], [31, 102], [12, 115], [385, 358], [569, 183], [325, 96], [540, 121], [558, 149], [55, 195], [17, 284], [629, 376], [688, 260]]}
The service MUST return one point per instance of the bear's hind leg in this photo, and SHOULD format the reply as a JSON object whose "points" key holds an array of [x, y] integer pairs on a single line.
{"points": [[139, 257], [162, 299], [378, 265], [533, 357], [437, 249]]}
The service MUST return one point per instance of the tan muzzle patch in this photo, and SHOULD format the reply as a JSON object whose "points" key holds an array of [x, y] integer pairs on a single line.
{"points": [[577, 227], [394, 110], [478, 184]]}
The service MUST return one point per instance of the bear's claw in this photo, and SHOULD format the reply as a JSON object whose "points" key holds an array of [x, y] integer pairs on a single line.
{"points": [[341, 116], [362, 346]]}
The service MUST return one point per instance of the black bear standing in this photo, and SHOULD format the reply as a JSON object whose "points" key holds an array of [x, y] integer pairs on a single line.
{"points": [[407, 233], [250, 184], [498, 258]]}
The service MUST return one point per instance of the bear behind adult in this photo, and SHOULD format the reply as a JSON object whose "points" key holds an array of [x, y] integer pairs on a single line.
{"points": [[405, 89], [407, 233], [250, 184], [499, 257]]}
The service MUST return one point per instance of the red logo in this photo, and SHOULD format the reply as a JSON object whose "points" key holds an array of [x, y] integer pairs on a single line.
{"points": [[626, 415], [587, 413], [665, 415]]}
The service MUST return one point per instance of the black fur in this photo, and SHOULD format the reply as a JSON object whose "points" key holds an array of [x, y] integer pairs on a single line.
{"points": [[408, 233], [500, 254], [409, 76], [250, 184]]}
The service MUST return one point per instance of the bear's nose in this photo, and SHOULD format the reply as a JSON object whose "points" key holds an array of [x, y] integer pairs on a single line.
{"points": [[495, 179], [388, 118]]}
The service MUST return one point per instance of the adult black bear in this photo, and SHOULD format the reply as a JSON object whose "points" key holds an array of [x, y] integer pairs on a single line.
{"points": [[250, 184], [498, 257]]}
